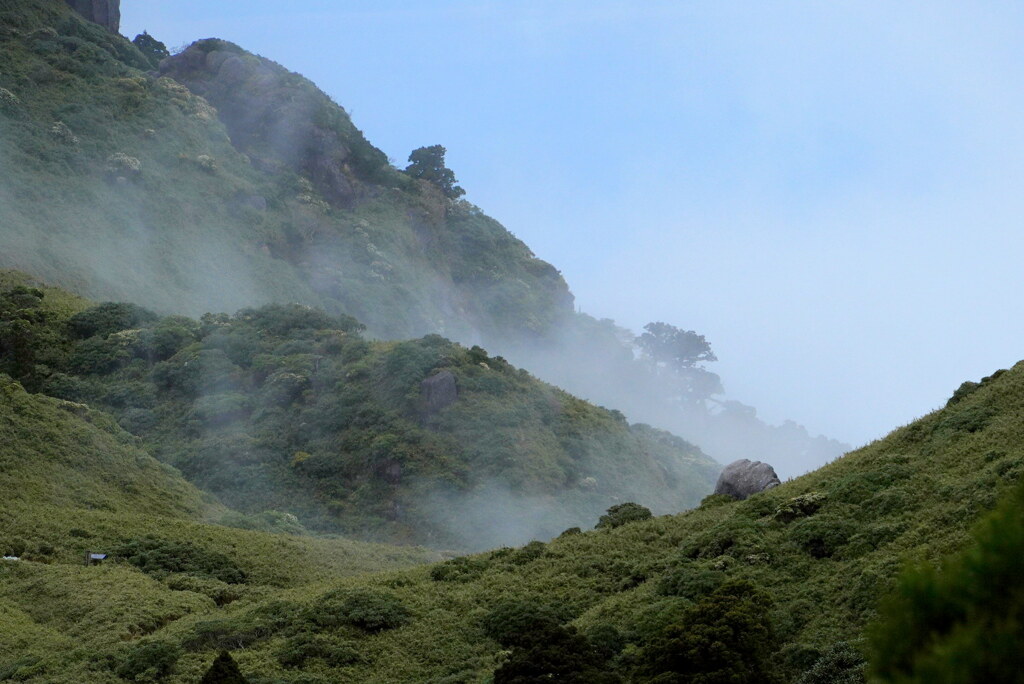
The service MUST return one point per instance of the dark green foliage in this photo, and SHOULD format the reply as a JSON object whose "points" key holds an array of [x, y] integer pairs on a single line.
{"points": [[725, 638], [158, 556], [332, 651], [109, 317], [623, 514], [841, 663], [223, 670], [965, 623], [147, 662], [370, 611], [690, 581], [30, 340], [519, 623], [963, 391], [427, 163], [151, 48], [555, 654], [822, 535], [461, 569]]}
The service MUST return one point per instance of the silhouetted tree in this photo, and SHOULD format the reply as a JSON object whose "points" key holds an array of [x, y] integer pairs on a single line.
{"points": [[678, 354], [427, 163], [224, 670]]}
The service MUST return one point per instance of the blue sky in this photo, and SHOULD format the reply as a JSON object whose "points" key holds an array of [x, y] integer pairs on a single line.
{"points": [[830, 192]]}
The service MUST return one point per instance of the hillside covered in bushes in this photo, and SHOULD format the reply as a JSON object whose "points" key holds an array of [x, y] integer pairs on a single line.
{"points": [[780, 587], [215, 179], [289, 409]]}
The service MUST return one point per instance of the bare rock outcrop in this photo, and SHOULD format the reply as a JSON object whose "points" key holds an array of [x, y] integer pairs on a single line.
{"points": [[744, 478], [438, 392], [106, 13]]}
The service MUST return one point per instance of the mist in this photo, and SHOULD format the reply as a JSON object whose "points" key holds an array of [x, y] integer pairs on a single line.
{"points": [[825, 192]]}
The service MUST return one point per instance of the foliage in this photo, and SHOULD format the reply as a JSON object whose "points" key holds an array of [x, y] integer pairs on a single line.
{"points": [[725, 637], [371, 611], [963, 623], [680, 355], [151, 48], [427, 163], [841, 663], [148, 662], [155, 556], [623, 514]]}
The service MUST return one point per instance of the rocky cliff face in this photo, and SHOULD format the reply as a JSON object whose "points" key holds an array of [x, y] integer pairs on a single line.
{"points": [[104, 12]]}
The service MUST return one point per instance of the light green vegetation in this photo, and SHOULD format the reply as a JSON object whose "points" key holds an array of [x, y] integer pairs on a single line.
{"points": [[823, 549]]}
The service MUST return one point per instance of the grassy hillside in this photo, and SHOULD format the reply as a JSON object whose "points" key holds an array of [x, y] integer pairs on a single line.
{"points": [[124, 185], [817, 552], [286, 408], [795, 572]]}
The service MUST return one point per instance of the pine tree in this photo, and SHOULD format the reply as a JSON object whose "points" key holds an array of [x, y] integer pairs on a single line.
{"points": [[224, 670]]}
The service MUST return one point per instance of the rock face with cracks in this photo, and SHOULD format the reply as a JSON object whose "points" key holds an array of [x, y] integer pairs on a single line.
{"points": [[744, 478], [106, 13]]}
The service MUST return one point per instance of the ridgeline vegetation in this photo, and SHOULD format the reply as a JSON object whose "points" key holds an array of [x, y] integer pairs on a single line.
{"points": [[177, 483]]}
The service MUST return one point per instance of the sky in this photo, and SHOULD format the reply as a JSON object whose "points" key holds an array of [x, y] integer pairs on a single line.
{"points": [[829, 192]]}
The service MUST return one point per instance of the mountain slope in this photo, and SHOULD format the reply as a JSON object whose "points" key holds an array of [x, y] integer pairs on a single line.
{"points": [[125, 186], [822, 548], [287, 408]]}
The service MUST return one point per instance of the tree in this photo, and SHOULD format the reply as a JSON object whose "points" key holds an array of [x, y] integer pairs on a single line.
{"points": [[669, 346], [427, 163], [151, 48], [677, 355], [224, 670], [725, 638]]}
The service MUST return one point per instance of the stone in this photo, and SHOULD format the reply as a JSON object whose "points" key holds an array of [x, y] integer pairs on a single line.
{"points": [[744, 478], [106, 13], [438, 392]]}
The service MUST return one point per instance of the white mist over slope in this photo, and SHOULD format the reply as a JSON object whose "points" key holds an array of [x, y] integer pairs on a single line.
{"points": [[827, 192]]}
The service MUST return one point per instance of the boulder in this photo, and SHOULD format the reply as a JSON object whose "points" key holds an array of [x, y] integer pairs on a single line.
{"points": [[744, 477], [438, 392], [106, 13]]}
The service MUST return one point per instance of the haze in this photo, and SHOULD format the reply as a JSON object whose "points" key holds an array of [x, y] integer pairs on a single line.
{"points": [[828, 192]]}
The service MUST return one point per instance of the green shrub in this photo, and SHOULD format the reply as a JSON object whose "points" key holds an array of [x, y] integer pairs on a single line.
{"points": [[690, 581], [371, 611], [163, 556], [109, 317], [461, 569], [519, 623], [725, 637], [149, 662], [841, 663], [963, 623], [822, 535], [332, 651], [623, 514]]}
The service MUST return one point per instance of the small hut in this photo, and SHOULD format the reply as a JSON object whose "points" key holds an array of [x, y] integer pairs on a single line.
{"points": [[92, 558]]}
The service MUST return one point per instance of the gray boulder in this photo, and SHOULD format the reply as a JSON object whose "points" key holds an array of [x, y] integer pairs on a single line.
{"points": [[744, 477], [104, 12], [438, 392]]}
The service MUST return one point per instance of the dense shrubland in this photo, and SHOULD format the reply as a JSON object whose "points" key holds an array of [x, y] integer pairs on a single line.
{"points": [[288, 411], [779, 587]]}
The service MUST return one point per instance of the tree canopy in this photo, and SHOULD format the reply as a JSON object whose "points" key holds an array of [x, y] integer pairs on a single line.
{"points": [[427, 163]]}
